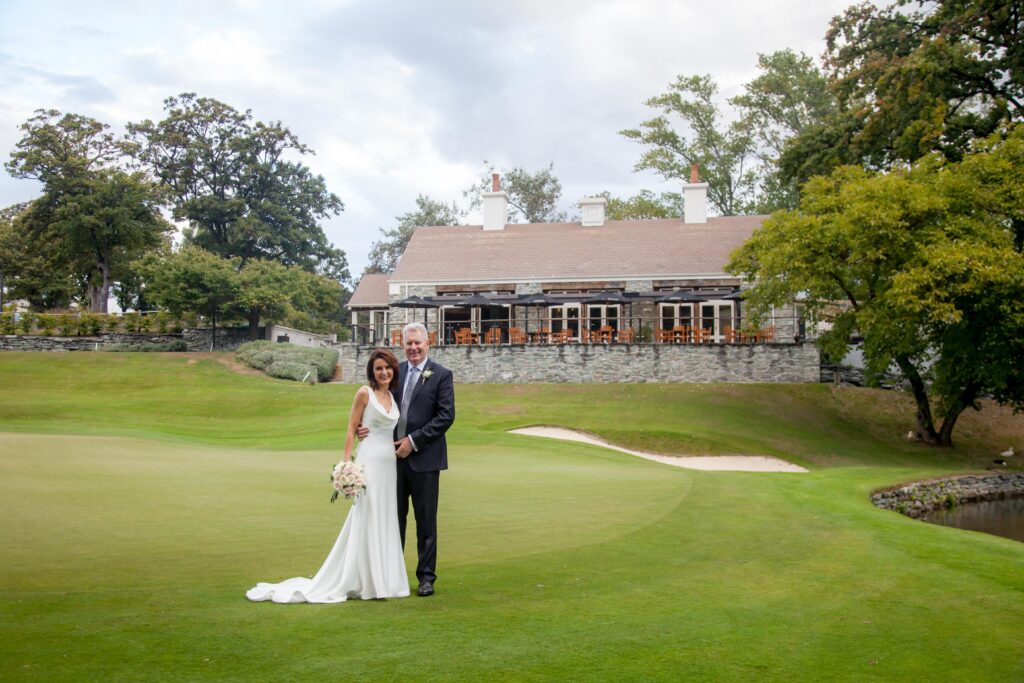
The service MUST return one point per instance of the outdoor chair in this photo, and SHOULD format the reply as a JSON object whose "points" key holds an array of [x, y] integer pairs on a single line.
{"points": [[606, 333], [682, 334], [493, 336], [516, 335], [464, 335], [562, 337], [396, 337], [432, 337], [625, 336], [664, 336], [766, 335]]}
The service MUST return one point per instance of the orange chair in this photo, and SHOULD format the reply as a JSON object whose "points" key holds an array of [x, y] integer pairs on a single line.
{"points": [[683, 334], [605, 333], [432, 337], [562, 337], [516, 335], [396, 337], [463, 335], [766, 335], [625, 336], [663, 336], [493, 336]]}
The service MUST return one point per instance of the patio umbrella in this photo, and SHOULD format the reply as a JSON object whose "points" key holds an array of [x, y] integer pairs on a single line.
{"points": [[415, 302], [473, 300], [679, 296], [733, 296]]}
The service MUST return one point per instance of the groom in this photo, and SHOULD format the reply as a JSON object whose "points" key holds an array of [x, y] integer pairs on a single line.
{"points": [[426, 395]]}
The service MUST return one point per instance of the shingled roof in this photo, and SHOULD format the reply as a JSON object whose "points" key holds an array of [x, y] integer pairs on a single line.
{"points": [[633, 249], [372, 292]]}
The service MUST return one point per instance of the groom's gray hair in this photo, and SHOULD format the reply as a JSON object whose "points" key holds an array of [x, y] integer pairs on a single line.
{"points": [[414, 326]]}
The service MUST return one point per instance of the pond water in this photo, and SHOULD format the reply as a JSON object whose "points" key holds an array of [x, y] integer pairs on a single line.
{"points": [[999, 517]]}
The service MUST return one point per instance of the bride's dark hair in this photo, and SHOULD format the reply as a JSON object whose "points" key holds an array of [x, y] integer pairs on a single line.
{"points": [[392, 362]]}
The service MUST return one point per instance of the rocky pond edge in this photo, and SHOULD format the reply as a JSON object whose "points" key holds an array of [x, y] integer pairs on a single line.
{"points": [[919, 498]]}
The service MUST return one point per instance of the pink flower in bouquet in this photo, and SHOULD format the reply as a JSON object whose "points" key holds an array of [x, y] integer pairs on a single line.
{"points": [[348, 480]]}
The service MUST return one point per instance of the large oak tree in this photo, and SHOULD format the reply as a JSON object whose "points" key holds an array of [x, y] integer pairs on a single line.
{"points": [[920, 262]]}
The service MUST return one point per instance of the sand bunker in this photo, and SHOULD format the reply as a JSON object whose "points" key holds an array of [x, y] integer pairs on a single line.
{"points": [[730, 463]]}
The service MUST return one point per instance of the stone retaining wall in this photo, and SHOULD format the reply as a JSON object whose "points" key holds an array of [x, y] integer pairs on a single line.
{"points": [[610, 363], [228, 339], [915, 500]]}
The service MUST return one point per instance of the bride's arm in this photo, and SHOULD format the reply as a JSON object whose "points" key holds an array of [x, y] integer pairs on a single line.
{"points": [[354, 418]]}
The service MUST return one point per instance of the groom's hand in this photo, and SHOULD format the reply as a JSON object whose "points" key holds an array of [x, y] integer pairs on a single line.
{"points": [[362, 432], [403, 447]]}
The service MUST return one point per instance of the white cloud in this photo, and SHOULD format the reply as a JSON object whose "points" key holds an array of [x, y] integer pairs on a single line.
{"points": [[398, 98]]}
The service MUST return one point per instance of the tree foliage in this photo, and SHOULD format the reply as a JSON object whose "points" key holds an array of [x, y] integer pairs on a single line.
{"points": [[93, 218], [192, 280], [921, 262], [233, 179], [29, 267], [690, 130], [789, 96], [645, 204], [384, 253], [532, 197], [737, 159], [912, 78]]}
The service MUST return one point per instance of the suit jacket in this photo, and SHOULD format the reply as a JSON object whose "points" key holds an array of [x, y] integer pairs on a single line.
{"points": [[430, 414]]}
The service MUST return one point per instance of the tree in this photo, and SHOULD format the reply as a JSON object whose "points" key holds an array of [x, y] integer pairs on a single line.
{"points": [[193, 280], [532, 197], [28, 267], [789, 96], [643, 205], [384, 253], [231, 178], [265, 289], [912, 81], [726, 154], [923, 269], [92, 218]]}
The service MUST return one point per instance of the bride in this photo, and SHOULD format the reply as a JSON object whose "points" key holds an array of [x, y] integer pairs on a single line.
{"points": [[366, 561]]}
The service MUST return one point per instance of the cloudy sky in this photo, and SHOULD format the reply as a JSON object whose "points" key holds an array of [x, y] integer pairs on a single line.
{"points": [[397, 98]]}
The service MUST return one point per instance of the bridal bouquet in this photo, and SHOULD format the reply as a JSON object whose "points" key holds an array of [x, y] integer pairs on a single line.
{"points": [[348, 480]]}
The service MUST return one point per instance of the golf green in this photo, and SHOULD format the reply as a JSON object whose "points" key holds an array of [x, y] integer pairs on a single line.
{"points": [[142, 494]]}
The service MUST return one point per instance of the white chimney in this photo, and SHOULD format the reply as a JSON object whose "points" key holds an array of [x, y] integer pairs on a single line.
{"points": [[695, 199], [495, 206], [593, 211]]}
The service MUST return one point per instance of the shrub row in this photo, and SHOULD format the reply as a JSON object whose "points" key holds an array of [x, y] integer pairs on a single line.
{"points": [[90, 324], [176, 345], [288, 361]]}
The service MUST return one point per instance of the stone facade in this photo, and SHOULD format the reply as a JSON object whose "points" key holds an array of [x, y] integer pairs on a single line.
{"points": [[228, 339], [612, 363], [915, 500]]}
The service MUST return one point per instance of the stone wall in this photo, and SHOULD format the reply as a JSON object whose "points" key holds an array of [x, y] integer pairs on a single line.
{"points": [[611, 363], [228, 339], [915, 500]]}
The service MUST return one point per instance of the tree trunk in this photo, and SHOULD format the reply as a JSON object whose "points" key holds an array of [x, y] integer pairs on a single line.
{"points": [[98, 294], [964, 401], [213, 334], [254, 323], [925, 424]]}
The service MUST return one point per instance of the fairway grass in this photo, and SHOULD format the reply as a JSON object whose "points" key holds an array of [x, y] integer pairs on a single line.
{"points": [[142, 495]]}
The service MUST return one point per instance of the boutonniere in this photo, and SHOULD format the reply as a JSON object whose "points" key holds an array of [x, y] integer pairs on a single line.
{"points": [[427, 374]]}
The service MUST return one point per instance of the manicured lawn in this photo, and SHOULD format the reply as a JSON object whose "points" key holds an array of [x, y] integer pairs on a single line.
{"points": [[141, 495]]}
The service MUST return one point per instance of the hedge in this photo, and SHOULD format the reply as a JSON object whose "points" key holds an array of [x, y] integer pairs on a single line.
{"points": [[285, 360]]}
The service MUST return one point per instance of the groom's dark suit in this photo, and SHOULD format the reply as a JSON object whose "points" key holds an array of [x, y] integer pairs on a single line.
{"points": [[430, 413]]}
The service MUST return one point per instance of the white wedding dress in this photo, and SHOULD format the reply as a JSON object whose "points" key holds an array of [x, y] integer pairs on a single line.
{"points": [[366, 561]]}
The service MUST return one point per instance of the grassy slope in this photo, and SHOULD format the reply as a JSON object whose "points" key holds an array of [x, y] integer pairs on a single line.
{"points": [[127, 555]]}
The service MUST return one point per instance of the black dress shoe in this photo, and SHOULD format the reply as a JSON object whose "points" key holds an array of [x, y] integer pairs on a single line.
{"points": [[426, 588]]}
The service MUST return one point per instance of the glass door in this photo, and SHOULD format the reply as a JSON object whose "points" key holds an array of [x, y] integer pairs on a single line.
{"points": [[566, 317], [716, 320]]}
